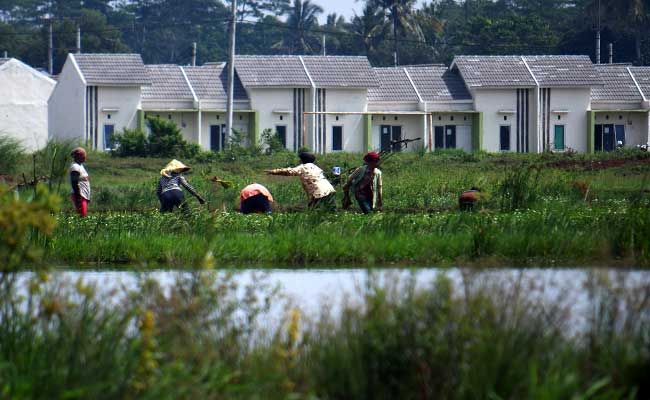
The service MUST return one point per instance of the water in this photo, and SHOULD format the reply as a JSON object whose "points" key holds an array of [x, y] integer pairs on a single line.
{"points": [[311, 289]]}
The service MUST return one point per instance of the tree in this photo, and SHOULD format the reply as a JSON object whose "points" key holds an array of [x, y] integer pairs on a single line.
{"points": [[369, 27], [302, 17]]}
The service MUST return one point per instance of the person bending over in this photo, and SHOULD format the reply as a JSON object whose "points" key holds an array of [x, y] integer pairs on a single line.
{"points": [[170, 184], [255, 198], [320, 191]]}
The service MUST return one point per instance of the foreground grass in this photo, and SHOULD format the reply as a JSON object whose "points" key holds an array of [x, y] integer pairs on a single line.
{"points": [[486, 341], [560, 235]]}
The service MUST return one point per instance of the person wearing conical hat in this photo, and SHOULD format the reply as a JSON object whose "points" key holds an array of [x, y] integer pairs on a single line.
{"points": [[170, 187], [366, 185]]}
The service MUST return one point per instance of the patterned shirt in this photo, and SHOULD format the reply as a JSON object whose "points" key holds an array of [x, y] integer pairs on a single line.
{"points": [[174, 182], [312, 178], [84, 182]]}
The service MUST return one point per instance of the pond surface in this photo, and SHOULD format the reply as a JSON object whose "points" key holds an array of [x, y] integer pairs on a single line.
{"points": [[310, 289]]}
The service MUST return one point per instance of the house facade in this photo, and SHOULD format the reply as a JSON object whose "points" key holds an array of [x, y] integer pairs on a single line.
{"points": [[340, 103], [24, 93]]}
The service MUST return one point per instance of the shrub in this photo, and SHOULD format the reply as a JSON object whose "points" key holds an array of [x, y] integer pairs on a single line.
{"points": [[11, 152], [165, 139], [131, 143], [271, 141]]}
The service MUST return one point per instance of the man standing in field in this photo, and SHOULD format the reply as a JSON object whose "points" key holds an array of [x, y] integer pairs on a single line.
{"points": [[79, 181], [366, 185], [320, 191]]}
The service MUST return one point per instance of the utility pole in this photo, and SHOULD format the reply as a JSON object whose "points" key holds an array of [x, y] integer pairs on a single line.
{"points": [[611, 53], [50, 49], [78, 39], [598, 36], [324, 48], [6, 54], [194, 54], [231, 68]]}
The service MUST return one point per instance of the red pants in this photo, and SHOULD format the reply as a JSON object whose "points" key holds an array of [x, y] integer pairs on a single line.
{"points": [[82, 207]]}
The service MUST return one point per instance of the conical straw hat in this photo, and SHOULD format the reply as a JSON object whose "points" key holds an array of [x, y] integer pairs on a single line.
{"points": [[174, 166]]}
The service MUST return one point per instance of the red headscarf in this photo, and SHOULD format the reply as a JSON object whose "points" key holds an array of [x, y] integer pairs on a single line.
{"points": [[373, 156]]}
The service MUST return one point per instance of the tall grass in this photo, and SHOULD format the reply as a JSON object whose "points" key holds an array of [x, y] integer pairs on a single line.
{"points": [[203, 337], [11, 153]]}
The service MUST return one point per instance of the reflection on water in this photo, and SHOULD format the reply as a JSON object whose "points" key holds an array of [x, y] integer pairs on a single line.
{"points": [[311, 289]]}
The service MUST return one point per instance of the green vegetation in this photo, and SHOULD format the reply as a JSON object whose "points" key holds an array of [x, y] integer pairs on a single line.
{"points": [[548, 209], [485, 341], [164, 140]]}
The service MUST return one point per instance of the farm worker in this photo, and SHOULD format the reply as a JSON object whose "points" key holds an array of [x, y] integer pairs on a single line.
{"points": [[79, 181], [320, 191], [366, 185], [169, 189], [255, 198], [469, 198]]}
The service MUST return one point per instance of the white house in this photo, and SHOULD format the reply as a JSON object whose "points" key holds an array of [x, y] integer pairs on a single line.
{"points": [[530, 103], [24, 93], [619, 109], [96, 96]]}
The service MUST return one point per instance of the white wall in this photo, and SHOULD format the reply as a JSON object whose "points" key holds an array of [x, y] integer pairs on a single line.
{"points": [[412, 128], [265, 101], [463, 123], [346, 100], [126, 100], [636, 125], [489, 102], [66, 105], [23, 104], [577, 102]]}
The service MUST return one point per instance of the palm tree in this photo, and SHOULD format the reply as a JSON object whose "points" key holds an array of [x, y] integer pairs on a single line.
{"points": [[369, 26], [302, 17], [399, 13]]}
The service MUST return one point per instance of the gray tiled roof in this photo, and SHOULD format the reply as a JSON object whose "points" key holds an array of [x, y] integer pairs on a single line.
{"points": [[494, 71], [112, 69], [438, 83], [210, 82], [563, 71], [271, 71], [618, 85], [341, 71], [394, 85], [167, 83], [642, 76]]}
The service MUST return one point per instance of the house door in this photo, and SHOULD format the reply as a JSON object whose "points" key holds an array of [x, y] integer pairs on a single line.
{"points": [[396, 135], [108, 136], [450, 136], [620, 134], [598, 138], [281, 133], [217, 137], [385, 137], [390, 133], [439, 137], [504, 138]]}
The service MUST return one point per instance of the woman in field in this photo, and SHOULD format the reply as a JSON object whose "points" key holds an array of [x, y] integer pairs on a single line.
{"points": [[366, 185], [255, 198], [320, 191], [79, 181], [170, 187]]}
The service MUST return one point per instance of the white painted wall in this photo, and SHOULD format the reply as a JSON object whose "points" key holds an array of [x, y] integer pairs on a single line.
{"points": [[636, 125], [126, 100], [266, 101], [66, 105], [490, 102], [577, 102], [24, 93], [412, 128], [346, 100]]}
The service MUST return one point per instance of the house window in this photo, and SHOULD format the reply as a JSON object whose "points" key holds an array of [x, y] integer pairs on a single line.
{"points": [[559, 137], [108, 136], [390, 133], [337, 138], [217, 137], [620, 134], [445, 137], [504, 138], [281, 133]]}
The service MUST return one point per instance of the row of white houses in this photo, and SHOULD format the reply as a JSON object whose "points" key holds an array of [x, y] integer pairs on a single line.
{"points": [[341, 103]]}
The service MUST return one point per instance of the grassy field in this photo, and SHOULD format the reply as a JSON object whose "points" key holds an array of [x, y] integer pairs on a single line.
{"points": [[541, 210]]}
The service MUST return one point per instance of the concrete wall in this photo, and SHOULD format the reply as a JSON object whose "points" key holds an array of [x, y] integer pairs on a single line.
{"points": [[490, 102], [66, 106], [266, 101], [463, 123], [577, 102], [412, 128], [636, 125], [23, 104], [346, 100], [117, 106]]}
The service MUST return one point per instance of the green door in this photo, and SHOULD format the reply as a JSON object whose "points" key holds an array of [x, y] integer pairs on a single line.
{"points": [[559, 137]]}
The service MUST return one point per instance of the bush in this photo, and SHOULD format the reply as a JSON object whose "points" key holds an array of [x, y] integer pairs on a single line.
{"points": [[272, 141], [131, 143], [11, 152]]}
